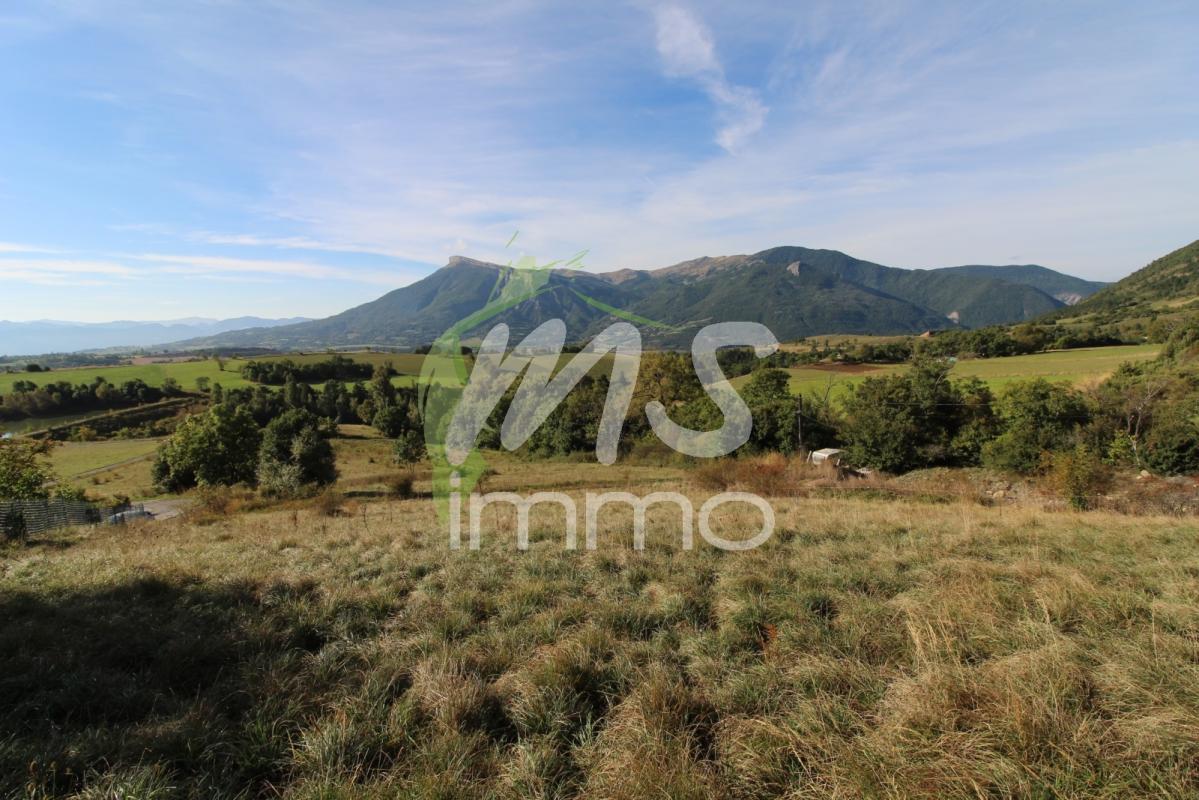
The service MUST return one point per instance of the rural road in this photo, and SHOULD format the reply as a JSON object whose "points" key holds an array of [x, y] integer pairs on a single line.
{"points": [[165, 509]]}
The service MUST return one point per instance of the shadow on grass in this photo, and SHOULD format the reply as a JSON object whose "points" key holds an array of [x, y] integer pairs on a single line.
{"points": [[161, 670]]}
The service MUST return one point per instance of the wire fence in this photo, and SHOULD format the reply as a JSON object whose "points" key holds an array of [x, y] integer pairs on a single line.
{"points": [[21, 518]]}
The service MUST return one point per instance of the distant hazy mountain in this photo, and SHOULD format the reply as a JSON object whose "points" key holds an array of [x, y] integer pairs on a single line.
{"points": [[795, 291], [1066, 288], [53, 336]]}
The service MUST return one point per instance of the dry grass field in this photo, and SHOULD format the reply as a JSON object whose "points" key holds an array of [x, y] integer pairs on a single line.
{"points": [[872, 648]]}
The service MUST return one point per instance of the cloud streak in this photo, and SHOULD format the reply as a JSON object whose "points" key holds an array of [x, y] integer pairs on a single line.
{"points": [[25, 249], [204, 266], [687, 51], [60, 272]]}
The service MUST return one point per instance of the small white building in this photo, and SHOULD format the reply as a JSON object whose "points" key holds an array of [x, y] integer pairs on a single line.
{"points": [[830, 455]]}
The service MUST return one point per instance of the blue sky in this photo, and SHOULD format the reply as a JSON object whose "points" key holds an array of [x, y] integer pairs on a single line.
{"points": [[218, 158]]}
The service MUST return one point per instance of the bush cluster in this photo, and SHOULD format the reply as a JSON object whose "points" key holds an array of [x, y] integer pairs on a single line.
{"points": [[224, 447], [279, 372]]}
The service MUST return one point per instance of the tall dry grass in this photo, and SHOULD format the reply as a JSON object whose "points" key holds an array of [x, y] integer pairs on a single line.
{"points": [[872, 648]]}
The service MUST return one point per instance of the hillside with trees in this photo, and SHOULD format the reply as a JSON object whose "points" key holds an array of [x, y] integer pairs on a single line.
{"points": [[1160, 297]]}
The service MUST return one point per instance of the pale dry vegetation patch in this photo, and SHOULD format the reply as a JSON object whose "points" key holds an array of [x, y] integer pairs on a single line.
{"points": [[872, 648]]}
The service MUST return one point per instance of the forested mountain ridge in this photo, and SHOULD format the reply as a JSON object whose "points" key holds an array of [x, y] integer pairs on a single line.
{"points": [[795, 291]]}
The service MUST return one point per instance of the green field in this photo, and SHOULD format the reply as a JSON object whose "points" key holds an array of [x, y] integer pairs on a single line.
{"points": [[73, 459], [186, 372], [107, 468], [1075, 366]]}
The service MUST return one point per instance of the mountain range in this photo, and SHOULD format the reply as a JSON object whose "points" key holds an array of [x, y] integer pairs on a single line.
{"points": [[794, 291], [54, 336]]}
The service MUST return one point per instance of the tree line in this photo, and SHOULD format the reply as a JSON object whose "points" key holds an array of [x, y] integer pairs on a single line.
{"points": [[279, 372], [278, 440], [27, 399]]}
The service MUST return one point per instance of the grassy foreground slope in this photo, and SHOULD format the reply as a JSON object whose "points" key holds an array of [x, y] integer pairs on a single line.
{"points": [[870, 649]]}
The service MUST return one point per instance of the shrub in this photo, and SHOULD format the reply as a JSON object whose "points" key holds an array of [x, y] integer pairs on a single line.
{"points": [[400, 486], [13, 526], [1080, 475], [23, 475], [214, 500], [410, 448], [280, 479], [84, 433], [1172, 444], [771, 474], [328, 503], [69, 492]]}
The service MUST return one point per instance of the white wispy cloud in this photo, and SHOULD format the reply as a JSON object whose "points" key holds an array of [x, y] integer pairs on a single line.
{"points": [[201, 265], [13, 247], [63, 272], [287, 243], [687, 51]]}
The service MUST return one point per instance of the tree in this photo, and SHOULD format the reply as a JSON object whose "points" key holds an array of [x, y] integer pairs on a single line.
{"points": [[202, 384], [772, 407], [666, 377], [1126, 405], [410, 448], [382, 390], [392, 421], [1172, 443], [881, 428], [1036, 417], [915, 419], [217, 448], [295, 453], [23, 475]]}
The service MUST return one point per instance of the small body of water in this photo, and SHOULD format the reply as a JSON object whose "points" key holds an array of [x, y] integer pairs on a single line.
{"points": [[40, 423]]}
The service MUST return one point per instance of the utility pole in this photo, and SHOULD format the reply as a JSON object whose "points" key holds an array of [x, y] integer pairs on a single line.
{"points": [[799, 423]]}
